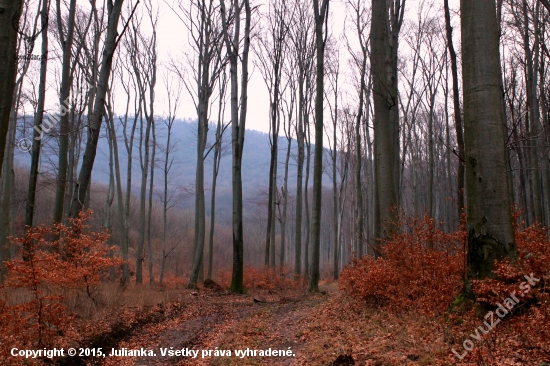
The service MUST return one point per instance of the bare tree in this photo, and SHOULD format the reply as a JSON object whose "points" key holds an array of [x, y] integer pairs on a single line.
{"points": [[219, 152], [387, 19], [302, 42], [25, 44], [321, 16], [202, 20], [10, 13], [490, 233], [95, 120], [174, 94], [66, 40], [39, 115], [456, 106], [288, 106], [237, 123], [271, 52], [360, 22]]}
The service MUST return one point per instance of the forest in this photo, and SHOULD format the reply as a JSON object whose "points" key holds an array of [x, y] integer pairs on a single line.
{"points": [[274, 182]]}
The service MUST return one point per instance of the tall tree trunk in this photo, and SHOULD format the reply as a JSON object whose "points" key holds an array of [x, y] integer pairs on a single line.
{"points": [[431, 156], [95, 120], [306, 191], [284, 195], [10, 13], [457, 111], [65, 90], [215, 171], [533, 116], [35, 152], [150, 210], [123, 233], [143, 192], [8, 182], [321, 15], [359, 155], [109, 201], [335, 203], [386, 117], [490, 233], [299, 180], [238, 129]]}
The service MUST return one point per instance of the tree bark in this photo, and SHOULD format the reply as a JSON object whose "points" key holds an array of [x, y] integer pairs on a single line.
{"points": [[65, 91], [321, 15], [35, 152], [386, 117], [457, 112], [238, 128], [81, 186], [10, 13], [490, 233]]}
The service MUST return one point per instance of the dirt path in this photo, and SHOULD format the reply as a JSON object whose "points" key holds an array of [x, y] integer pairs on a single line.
{"points": [[209, 320]]}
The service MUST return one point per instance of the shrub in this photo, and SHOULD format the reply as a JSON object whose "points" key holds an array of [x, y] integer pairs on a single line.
{"points": [[33, 314], [421, 268]]}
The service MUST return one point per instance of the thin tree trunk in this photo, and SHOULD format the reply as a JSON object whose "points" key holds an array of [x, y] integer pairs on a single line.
{"points": [[321, 14], [38, 117], [95, 120], [238, 129], [150, 210], [109, 201], [142, 211], [299, 180], [65, 90], [306, 195], [284, 195], [123, 233], [215, 171], [457, 111]]}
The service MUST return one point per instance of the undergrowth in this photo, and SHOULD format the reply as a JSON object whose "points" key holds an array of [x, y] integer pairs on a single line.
{"points": [[421, 271]]}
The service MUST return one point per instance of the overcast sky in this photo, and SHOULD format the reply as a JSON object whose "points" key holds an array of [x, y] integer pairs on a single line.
{"points": [[172, 40]]}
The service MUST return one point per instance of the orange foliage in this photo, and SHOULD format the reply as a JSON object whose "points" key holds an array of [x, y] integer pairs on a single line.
{"points": [[263, 279], [421, 268], [527, 333], [422, 271], [533, 252], [32, 310]]}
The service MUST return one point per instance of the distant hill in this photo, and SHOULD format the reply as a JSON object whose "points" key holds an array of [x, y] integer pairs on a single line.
{"points": [[255, 171]]}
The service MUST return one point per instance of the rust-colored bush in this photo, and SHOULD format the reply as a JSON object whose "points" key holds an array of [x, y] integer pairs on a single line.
{"points": [[420, 268], [33, 314], [422, 271]]}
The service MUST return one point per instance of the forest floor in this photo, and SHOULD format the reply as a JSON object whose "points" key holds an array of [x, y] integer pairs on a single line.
{"points": [[325, 328]]}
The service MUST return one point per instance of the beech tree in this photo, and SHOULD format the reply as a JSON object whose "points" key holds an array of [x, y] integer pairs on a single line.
{"points": [[387, 19], [304, 48], [25, 46], [38, 117], [202, 20], [490, 234], [10, 13], [271, 53], [96, 119], [321, 16], [238, 122], [66, 39], [174, 95], [456, 108]]}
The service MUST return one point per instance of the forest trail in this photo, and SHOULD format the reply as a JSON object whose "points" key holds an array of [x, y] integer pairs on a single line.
{"points": [[215, 320]]}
